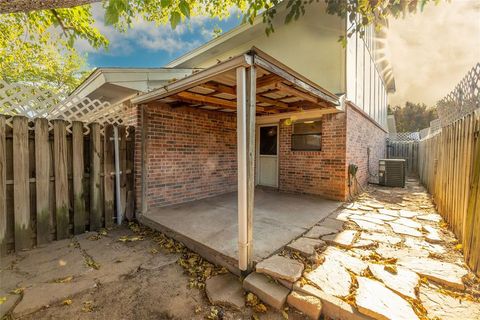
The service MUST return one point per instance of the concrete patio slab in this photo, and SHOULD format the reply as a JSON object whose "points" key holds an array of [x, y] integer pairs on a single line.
{"points": [[209, 226]]}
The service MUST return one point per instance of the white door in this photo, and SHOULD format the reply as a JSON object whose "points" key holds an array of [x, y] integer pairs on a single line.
{"points": [[267, 153]]}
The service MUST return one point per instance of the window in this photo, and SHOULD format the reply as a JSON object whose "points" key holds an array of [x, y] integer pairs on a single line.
{"points": [[268, 141], [307, 136]]}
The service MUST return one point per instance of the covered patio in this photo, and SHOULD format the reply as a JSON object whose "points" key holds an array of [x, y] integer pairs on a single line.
{"points": [[236, 229], [210, 225]]}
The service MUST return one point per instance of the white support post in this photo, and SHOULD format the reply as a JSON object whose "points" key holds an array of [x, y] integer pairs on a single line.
{"points": [[246, 105], [242, 168]]}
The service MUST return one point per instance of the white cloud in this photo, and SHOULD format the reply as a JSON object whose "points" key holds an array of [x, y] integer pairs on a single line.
{"points": [[431, 51], [145, 35]]}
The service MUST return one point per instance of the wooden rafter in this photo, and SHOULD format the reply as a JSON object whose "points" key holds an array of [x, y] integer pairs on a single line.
{"points": [[279, 104], [220, 88], [267, 80], [296, 92], [191, 97], [199, 98]]}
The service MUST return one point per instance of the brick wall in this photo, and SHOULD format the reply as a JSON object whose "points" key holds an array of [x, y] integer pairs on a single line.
{"points": [[315, 172], [362, 134], [191, 154]]}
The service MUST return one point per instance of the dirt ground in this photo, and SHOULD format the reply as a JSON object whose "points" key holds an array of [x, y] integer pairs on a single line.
{"points": [[157, 294], [133, 272], [123, 273]]}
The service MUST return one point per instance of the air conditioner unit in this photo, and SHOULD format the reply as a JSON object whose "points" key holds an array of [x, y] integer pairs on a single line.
{"points": [[391, 172]]}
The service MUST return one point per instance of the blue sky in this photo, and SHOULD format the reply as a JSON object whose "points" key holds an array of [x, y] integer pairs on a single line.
{"points": [[426, 65], [149, 45]]}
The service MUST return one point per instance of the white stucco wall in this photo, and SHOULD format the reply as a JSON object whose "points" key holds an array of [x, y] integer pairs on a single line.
{"points": [[309, 46]]}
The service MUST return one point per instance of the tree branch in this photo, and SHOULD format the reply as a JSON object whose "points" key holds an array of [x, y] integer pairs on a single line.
{"points": [[12, 6], [60, 22]]}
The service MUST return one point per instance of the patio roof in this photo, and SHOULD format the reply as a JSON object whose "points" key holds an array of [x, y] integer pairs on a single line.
{"points": [[279, 89]]}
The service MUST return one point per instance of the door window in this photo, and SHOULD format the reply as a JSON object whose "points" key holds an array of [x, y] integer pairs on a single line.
{"points": [[268, 141]]}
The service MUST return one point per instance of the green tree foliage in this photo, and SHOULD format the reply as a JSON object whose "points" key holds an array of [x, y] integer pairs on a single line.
{"points": [[37, 37], [37, 46], [413, 116]]}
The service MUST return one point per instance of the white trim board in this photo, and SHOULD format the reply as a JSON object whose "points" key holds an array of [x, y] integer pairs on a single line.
{"points": [[297, 115]]}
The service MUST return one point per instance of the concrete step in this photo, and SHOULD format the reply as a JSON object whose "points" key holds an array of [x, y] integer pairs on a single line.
{"points": [[309, 305], [267, 290], [281, 267], [225, 290]]}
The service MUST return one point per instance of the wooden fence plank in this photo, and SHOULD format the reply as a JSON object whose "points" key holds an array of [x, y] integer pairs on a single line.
{"points": [[130, 145], [61, 178], [108, 177], [21, 184], [42, 180], [449, 165], [3, 189], [122, 134], [96, 208], [79, 214]]}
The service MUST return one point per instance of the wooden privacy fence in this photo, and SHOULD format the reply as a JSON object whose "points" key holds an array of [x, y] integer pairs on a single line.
{"points": [[407, 150], [449, 166], [58, 178]]}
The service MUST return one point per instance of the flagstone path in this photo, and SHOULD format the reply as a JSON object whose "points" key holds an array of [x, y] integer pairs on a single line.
{"points": [[385, 258]]}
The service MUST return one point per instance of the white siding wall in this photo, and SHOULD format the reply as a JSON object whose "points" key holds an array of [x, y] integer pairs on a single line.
{"points": [[365, 86]]}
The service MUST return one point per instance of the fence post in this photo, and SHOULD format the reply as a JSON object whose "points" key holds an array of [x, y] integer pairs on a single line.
{"points": [[78, 172], [42, 180], [21, 184], [3, 189]]}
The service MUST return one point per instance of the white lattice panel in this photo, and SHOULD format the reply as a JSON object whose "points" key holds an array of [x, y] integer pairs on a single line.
{"points": [[32, 102], [463, 100]]}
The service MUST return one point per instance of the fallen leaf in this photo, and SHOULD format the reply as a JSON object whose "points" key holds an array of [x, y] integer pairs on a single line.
{"points": [[285, 315], [67, 302], [260, 308], [17, 291], [130, 239], [459, 247], [213, 314], [198, 309], [64, 280], [91, 263], [3, 300], [391, 268], [87, 306]]}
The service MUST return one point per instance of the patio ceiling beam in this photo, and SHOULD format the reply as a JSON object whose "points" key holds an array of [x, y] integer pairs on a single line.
{"points": [[279, 104], [198, 98], [191, 97], [296, 92], [221, 88], [267, 80]]}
